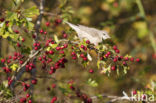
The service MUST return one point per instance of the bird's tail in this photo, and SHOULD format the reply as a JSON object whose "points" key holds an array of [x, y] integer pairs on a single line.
{"points": [[75, 27]]}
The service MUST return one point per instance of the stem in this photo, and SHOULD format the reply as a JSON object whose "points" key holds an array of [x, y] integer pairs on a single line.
{"points": [[151, 35], [141, 9]]}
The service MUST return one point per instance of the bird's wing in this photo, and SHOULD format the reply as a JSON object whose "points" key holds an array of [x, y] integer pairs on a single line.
{"points": [[86, 32], [76, 28], [89, 30]]}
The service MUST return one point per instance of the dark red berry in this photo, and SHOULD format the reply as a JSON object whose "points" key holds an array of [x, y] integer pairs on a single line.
{"points": [[88, 42]]}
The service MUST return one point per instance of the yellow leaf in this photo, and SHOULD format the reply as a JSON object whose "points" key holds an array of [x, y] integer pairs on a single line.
{"points": [[14, 67]]}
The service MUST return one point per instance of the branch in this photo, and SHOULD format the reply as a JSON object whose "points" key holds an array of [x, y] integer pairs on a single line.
{"points": [[113, 98], [21, 69], [37, 27], [39, 19], [36, 2], [116, 98], [50, 14]]}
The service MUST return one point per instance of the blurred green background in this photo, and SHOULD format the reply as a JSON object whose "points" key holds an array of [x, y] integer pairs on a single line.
{"points": [[131, 28]]}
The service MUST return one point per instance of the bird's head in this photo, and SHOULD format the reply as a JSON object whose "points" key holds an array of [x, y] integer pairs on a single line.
{"points": [[105, 35]]}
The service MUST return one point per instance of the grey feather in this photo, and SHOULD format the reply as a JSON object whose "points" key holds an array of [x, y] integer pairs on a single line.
{"points": [[95, 36]]}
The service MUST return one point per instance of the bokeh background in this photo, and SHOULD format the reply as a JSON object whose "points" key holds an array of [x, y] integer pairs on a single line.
{"points": [[133, 30]]}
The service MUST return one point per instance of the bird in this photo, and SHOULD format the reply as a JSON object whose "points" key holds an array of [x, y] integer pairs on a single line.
{"points": [[94, 35]]}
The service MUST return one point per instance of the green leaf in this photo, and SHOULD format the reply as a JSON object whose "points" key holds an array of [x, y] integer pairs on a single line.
{"points": [[56, 38], [53, 45], [92, 83], [25, 50], [125, 69], [5, 83], [141, 28], [30, 25], [117, 71], [17, 2], [31, 12], [98, 64], [12, 16]]}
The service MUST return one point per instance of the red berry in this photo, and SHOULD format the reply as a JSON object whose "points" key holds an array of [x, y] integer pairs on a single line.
{"points": [[54, 98], [101, 58], [74, 57], [21, 62], [126, 58], [115, 4], [82, 46], [137, 60], [18, 45], [22, 100], [47, 23], [108, 52], [45, 33], [124, 63], [64, 35], [16, 31], [89, 100], [2, 19], [115, 59], [85, 59], [58, 48], [35, 44], [14, 57], [53, 85], [2, 60], [10, 57], [144, 96], [33, 36], [34, 81], [51, 52], [36, 48], [23, 39], [62, 52], [65, 45], [115, 47], [40, 58], [73, 53], [58, 21], [154, 56], [132, 59], [28, 95], [117, 51], [113, 68], [91, 71], [134, 92], [41, 31], [72, 88], [82, 55], [8, 61], [49, 60], [30, 101], [106, 55], [88, 42], [38, 44]]}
